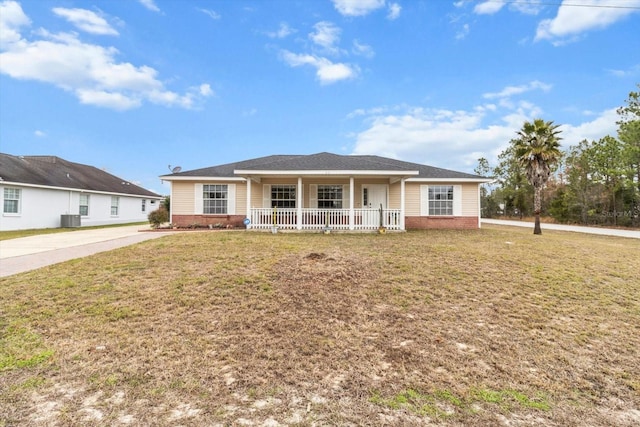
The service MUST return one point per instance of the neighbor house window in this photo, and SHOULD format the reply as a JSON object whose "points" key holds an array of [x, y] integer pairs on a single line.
{"points": [[144, 205], [330, 196], [283, 196], [441, 200], [215, 198], [11, 200], [84, 204], [115, 203]]}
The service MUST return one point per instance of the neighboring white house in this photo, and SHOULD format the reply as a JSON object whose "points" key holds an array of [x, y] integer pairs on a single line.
{"points": [[310, 192], [50, 192]]}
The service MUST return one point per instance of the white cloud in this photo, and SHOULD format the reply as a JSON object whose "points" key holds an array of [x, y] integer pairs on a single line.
{"points": [[532, 7], [40, 134], [86, 20], [91, 72], [12, 19], [210, 13], [394, 11], [433, 136], [517, 90], [488, 7], [205, 90], [572, 21], [150, 4], [491, 7], [327, 72], [362, 49], [631, 71], [357, 7], [101, 98], [603, 124], [326, 35], [283, 31], [456, 139], [462, 32]]}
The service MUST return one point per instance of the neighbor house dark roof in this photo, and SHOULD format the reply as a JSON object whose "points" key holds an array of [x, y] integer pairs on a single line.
{"points": [[52, 171], [325, 161]]}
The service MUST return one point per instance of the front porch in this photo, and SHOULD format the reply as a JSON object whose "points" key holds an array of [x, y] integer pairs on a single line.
{"points": [[363, 202], [356, 219]]}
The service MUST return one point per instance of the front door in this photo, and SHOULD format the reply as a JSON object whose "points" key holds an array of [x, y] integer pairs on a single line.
{"points": [[374, 195]]}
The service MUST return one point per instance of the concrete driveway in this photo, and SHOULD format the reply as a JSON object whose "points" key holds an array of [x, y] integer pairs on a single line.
{"points": [[29, 253], [618, 232]]}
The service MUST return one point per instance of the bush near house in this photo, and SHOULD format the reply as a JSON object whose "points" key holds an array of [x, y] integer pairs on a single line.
{"points": [[158, 217]]}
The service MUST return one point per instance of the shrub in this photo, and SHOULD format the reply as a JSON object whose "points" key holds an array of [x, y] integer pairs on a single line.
{"points": [[159, 216]]}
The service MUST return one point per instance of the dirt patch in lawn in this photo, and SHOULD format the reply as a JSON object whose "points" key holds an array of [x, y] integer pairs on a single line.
{"points": [[489, 327]]}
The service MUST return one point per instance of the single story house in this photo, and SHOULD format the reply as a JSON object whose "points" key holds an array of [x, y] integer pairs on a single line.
{"points": [[46, 191], [311, 192]]}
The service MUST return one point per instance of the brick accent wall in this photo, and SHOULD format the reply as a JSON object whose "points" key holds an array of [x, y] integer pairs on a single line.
{"points": [[436, 222], [205, 220]]}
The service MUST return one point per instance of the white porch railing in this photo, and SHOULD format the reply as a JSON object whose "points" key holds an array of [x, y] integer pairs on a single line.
{"points": [[316, 219]]}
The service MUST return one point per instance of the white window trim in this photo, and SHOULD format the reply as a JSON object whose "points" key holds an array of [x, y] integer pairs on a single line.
{"points": [[199, 199], [457, 201], [313, 195], [20, 195], [267, 200], [88, 204], [117, 206]]}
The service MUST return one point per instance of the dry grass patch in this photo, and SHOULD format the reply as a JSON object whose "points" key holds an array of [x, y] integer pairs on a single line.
{"points": [[485, 327]]}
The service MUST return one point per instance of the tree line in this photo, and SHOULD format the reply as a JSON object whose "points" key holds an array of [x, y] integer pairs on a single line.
{"points": [[590, 183]]}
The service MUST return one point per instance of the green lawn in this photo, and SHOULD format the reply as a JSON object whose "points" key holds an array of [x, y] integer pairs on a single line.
{"points": [[487, 327]]}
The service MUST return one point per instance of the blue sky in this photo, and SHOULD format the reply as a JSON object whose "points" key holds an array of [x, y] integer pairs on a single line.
{"points": [[135, 86]]}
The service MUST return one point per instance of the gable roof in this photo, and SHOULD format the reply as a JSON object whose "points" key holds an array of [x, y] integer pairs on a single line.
{"points": [[52, 171], [324, 162]]}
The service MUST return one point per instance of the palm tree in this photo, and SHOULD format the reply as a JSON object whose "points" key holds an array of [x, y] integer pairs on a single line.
{"points": [[537, 148]]}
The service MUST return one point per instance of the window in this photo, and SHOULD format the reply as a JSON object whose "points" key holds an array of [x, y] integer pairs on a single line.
{"points": [[441, 200], [11, 200], [84, 204], [283, 196], [330, 196], [215, 198], [144, 205], [115, 202]]}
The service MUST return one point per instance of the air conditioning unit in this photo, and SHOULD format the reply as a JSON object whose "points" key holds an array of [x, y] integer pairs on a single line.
{"points": [[69, 221]]}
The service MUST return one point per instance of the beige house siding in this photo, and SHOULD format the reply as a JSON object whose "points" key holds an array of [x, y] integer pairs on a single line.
{"points": [[470, 199], [257, 189], [394, 196], [241, 198], [183, 194], [182, 197], [412, 198]]}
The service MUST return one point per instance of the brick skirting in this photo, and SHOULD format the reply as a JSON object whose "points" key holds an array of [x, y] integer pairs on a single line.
{"points": [[206, 220], [435, 222]]}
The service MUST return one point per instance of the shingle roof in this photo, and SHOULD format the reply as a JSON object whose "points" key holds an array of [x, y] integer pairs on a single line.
{"points": [[52, 171], [324, 161]]}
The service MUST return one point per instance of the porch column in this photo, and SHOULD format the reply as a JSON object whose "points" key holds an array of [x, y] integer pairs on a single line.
{"points": [[249, 200], [402, 201], [299, 204], [351, 198]]}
